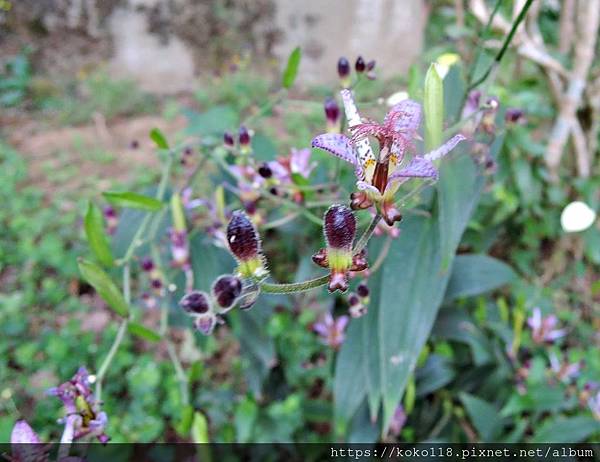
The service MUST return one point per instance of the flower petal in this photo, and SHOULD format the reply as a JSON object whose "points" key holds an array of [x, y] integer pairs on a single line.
{"points": [[22, 433], [364, 186], [444, 148], [411, 115], [366, 157], [419, 167], [336, 144]]}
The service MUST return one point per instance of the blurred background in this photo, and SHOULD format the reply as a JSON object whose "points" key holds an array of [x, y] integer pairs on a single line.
{"points": [[82, 83]]}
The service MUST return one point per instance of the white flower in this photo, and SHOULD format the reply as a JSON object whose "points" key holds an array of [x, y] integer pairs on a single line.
{"points": [[577, 216]]}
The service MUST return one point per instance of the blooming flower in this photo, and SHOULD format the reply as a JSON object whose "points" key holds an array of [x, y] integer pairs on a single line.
{"points": [[331, 331], [564, 371], [543, 328], [26, 444], [83, 417], [380, 177]]}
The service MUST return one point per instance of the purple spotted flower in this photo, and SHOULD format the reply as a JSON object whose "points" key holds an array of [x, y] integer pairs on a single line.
{"points": [[380, 177], [83, 414], [332, 331], [26, 444], [543, 329], [564, 370]]}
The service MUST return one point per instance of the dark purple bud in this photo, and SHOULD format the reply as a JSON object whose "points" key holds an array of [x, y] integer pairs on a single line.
{"points": [[134, 144], [332, 111], [343, 68], [109, 212], [362, 290], [242, 237], [195, 302], [156, 283], [274, 191], [339, 227], [226, 290], [360, 65], [265, 171], [228, 139], [514, 115], [371, 65], [353, 299], [147, 264], [243, 136], [206, 323], [188, 152]]}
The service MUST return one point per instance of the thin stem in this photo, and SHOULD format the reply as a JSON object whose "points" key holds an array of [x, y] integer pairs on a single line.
{"points": [[269, 288], [364, 239], [109, 357], [505, 45], [280, 221]]}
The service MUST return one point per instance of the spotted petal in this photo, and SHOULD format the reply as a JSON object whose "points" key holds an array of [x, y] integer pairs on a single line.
{"points": [[336, 144], [444, 148], [363, 147], [419, 167], [410, 120]]}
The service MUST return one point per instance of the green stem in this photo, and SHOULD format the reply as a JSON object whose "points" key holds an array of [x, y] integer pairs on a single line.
{"points": [[364, 239], [505, 45]]}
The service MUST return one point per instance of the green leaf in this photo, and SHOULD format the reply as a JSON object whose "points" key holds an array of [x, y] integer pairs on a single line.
{"points": [[291, 69], [246, 413], [159, 138], [93, 224], [184, 424], [476, 274], [104, 285], [566, 430], [199, 431], [177, 213], [139, 330], [433, 104], [484, 417], [133, 200], [215, 121]]}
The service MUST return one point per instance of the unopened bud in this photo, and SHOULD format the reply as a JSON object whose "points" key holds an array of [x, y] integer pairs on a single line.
{"points": [[359, 65], [343, 68], [228, 139], [353, 299], [195, 302], [147, 264], [265, 170], [226, 290], [206, 323], [362, 290], [339, 227], [244, 244], [371, 65], [332, 114], [244, 140]]}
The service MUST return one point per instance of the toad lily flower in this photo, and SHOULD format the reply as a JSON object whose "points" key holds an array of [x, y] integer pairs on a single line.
{"points": [[380, 177]]}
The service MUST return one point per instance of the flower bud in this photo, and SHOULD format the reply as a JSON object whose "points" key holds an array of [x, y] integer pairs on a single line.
{"points": [[514, 115], [343, 68], [206, 323], [332, 114], [362, 290], [371, 65], [195, 302], [244, 244], [265, 170], [244, 140], [147, 264], [112, 219], [353, 299], [359, 65], [179, 248], [226, 290], [228, 139]]}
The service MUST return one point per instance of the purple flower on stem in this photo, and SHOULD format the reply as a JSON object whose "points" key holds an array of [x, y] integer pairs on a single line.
{"points": [[83, 414], [332, 114], [564, 371], [379, 178], [26, 444], [343, 69], [543, 329], [179, 248], [331, 331], [515, 115]]}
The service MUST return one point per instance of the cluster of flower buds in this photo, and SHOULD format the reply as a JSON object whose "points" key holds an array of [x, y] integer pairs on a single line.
{"points": [[244, 139], [244, 243], [186, 156], [359, 301], [360, 66], [154, 275], [112, 219], [544, 328], [515, 115], [339, 226], [207, 309]]}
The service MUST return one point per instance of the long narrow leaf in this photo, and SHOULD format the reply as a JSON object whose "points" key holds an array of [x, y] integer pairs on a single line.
{"points": [[104, 285], [93, 224], [133, 200], [291, 69]]}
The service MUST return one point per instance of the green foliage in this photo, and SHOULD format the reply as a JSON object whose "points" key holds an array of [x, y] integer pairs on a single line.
{"points": [[291, 68], [105, 287], [96, 234], [15, 80]]}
